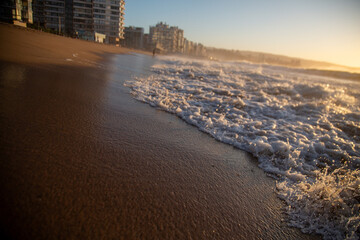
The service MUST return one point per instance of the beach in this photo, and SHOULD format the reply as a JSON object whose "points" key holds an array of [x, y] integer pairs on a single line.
{"points": [[82, 159]]}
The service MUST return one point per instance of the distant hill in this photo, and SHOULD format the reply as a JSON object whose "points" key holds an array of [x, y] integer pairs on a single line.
{"points": [[273, 59]]}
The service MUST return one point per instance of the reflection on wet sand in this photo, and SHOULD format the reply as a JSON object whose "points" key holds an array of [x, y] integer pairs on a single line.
{"points": [[81, 159]]}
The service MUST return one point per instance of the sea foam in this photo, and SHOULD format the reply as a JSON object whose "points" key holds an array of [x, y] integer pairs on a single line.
{"points": [[304, 130]]}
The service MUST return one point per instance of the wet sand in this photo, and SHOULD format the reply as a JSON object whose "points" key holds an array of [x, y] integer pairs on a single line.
{"points": [[81, 159]]}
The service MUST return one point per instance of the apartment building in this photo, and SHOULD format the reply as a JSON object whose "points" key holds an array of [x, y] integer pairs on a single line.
{"points": [[194, 49], [108, 18], [82, 18], [169, 39], [16, 11], [49, 14], [133, 37]]}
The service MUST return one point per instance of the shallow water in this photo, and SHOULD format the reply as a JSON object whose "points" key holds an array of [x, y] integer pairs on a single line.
{"points": [[303, 129], [83, 159]]}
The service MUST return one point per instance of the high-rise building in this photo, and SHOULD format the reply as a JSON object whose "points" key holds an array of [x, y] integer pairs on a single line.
{"points": [[82, 18], [19, 11], [169, 39], [69, 13], [51, 14], [194, 49], [133, 37], [108, 18]]}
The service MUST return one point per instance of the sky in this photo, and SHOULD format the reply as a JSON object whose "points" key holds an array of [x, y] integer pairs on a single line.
{"points": [[325, 30]]}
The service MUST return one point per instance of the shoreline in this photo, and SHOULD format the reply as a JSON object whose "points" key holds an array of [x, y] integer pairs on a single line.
{"points": [[83, 159]]}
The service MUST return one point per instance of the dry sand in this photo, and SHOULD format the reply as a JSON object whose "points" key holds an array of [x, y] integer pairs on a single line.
{"points": [[24, 45], [81, 159]]}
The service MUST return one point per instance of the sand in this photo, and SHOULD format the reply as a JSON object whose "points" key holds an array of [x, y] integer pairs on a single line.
{"points": [[81, 159]]}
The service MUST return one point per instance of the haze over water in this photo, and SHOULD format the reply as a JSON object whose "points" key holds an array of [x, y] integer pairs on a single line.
{"points": [[303, 129], [324, 30]]}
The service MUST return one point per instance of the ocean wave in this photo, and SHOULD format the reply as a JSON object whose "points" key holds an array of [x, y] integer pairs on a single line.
{"points": [[303, 129]]}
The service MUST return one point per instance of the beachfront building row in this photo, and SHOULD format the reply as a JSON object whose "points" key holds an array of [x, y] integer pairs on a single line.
{"points": [[162, 38], [134, 37], [18, 12], [166, 38], [194, 49], [84, 19]]}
